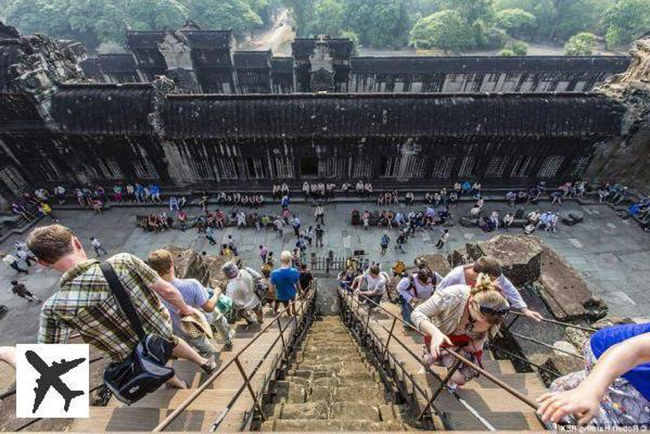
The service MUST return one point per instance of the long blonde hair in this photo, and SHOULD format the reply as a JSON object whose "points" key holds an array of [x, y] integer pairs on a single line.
{"points": [[488, 293]]}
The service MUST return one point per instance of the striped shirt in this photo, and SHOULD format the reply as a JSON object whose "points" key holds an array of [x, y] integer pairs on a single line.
{"points": [[85, 304]]}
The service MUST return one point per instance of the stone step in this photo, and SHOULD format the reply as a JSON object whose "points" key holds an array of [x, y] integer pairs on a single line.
{"points": [[134, 419], [308, 425]]}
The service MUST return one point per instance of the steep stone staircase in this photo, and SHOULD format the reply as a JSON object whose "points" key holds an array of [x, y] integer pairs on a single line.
{"points": [[331, 386], [488, 402]]}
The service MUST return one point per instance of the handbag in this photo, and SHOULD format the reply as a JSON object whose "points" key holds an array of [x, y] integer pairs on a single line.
{"points": [[144, 371]]}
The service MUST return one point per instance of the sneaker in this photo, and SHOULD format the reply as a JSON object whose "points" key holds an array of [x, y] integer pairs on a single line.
{"points": [[227, 346], [211, 365]]}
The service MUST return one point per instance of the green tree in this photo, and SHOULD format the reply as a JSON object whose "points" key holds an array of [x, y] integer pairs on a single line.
{"points": [[224, 14], [329, 17], [625, 20], [507, 52], [519, 48], [471, 11], [582, 44], [379, 23], [444, 30], [516, 22], [349, 34], [302, 12]]}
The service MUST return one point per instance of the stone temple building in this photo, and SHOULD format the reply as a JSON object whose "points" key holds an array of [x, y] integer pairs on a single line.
{"points": [[184, 109]]}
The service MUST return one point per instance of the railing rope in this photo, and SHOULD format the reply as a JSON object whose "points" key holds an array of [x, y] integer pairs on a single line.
{"points": [[564, 324]]}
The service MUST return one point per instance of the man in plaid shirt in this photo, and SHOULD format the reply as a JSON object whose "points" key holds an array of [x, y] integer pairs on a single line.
{"points": [[85, 303]]}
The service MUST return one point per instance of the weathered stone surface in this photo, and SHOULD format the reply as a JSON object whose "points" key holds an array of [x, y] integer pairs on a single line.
{"points": [[435, 262], [519, 256], [563, 289], [611, 321], [626, 158], [563, 364], [571, 218], [354, 411], [578, 338], [308, 410], [188, 264], [565, 347]]}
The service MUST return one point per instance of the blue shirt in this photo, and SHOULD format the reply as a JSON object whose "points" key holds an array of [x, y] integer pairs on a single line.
{"points": [[638, 377], [193, 293], [285, 280]]}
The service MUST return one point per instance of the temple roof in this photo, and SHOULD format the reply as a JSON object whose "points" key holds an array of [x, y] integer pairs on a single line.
{"points": [[103, 109], [143, 40], [208, 39], [282, 65], [252, 59], [9, 55], [117, 63], [488, 64], [395, 115]]}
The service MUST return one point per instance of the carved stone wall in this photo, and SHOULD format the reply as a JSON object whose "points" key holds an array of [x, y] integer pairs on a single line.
{"points": [[627, 158]]}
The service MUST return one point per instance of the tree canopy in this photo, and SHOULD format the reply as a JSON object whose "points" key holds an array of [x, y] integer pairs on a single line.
{"points": [[582, 44], [444, 30]]}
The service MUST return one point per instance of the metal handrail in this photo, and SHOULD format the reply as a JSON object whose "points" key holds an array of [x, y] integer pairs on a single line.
{"points": [[544, 344], [531, 403], [172, 416], [564, 324]]}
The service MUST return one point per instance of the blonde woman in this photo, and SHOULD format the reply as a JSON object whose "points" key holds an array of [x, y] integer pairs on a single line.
{"points": [[460, 317]]}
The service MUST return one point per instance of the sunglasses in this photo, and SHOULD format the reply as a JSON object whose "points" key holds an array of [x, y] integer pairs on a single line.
{"points": [[491, 311]]}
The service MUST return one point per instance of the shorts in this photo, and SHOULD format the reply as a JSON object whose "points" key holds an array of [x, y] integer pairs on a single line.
{"points": [[286, 303]]}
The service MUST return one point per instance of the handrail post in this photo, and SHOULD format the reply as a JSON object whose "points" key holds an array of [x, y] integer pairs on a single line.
{"points": [[437, 392], [249, 387], [390, 336], [284, 344]]}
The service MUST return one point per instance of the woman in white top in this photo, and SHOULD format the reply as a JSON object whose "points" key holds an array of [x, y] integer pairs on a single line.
{"points": [[460, 317], [468, 274], [416, 288]]}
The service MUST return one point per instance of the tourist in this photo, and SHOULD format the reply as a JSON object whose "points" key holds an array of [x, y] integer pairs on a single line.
{"points": [[475, 211], [197, 296], [257, 221], [511, 197], [385, 241], [533, 217], [20, 210], [415, 288], [306, 277], [371, 285], [443, 239], [286, 280], [241, 219], [23, 253], [367, 188], [295, 222], [182, 219], [21, 291], [613, 392], [45, 209], [529, 229], [401, 240], [365, 218], [494, 219], [461, 317], [173, 204], [59, 191], [508, 219], [203, 202], [319, 215], [285, 201], [320, 232], [278, 225], [270, 298], [305, 189], [98, 247], [603, 193], [264, 252], [209, 235], [284, 189], [130, 193], [84, 289], [155, 193], [409, 198], [219, 219], [556, 197], [12, 262], [468, 273], [310, 235], [359, 188], [241, 290], [231, 245], [97, 206]]}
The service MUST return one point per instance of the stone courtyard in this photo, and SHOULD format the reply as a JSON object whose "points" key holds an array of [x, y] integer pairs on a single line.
{"points": [[613, 255]]}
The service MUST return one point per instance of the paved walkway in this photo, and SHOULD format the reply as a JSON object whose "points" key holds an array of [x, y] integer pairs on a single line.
{"points": [[613, 255]]}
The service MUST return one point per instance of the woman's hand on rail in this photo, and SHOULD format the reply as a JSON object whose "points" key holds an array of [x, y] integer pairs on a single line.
{"points": [[437, 340], [580, 401]]}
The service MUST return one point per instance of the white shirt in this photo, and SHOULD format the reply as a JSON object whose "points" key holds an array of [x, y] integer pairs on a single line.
{"points": [[444, 237], [96, 243], [241, 289], [373, 285], [457, 277], [423, 291]]}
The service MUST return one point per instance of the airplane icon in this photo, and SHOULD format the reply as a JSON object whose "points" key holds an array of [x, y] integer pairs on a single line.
{"points": [[51, 377]]}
